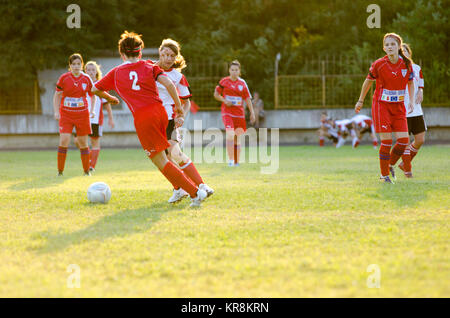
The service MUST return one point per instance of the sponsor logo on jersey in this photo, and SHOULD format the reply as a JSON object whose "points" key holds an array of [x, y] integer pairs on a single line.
{"points": [[404, 72], [240, 87], [84, 86]]}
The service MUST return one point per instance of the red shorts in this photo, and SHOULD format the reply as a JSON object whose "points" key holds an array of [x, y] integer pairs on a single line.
{"points": [[233, 122], [389, 117], [70, 119], [151, 127]]}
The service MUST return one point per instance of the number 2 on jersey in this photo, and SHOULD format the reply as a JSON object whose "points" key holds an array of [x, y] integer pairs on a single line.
{"points": [[134, 77]]}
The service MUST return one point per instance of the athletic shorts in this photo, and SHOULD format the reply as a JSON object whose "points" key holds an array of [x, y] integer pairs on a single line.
{"points": [[79, 120], [97, 131], [172, 132], [366, 129], [233, 122], [389, 117], [151, 129], [416, 125]]}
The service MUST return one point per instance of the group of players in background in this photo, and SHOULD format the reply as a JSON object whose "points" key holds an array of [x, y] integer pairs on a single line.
{"points": [[393, 110], [158, 96]]}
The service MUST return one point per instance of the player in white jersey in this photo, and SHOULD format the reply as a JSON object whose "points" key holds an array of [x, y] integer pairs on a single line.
{"points": [[327, 129], [93, 70], [416, 123], [363, 124], [171, 62], [344, 127]]}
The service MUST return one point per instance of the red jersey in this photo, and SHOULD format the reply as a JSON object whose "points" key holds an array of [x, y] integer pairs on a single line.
{"points": [[135, 83], [391, 79], [236, 92], [75, 91]]}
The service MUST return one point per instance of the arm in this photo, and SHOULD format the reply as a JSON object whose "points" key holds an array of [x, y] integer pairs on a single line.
{"points": [[419, 97], [110, 115], [364, 89], [250, 108], [111, 99], [221, 99], [56, 102], [411, 94], [92, 111], [187, 106]]}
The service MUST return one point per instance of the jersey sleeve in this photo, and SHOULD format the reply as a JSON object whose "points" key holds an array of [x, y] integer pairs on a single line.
{"points": [[220, 87], [373, 71], [107, 82], [60, 84], [183, 88], [421, 80], [156, 71], [246, 92]]}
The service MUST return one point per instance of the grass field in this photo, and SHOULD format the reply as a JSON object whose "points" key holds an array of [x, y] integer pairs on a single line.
{"points": [[310, 230]]}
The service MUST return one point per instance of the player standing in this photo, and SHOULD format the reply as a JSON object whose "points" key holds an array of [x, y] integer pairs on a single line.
{"points": [[93, 70], [135, 82], [70, 105], [172, 62], [232, 91], [416, 122], [392, 73]]}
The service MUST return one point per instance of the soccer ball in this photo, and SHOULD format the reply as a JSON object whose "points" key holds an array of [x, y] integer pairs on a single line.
{"points": [[99, 192]]}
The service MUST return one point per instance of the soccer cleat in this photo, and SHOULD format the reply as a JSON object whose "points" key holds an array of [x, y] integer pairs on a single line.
{"points": [[209, 191], [392, 170], [91, 169], [178, 195], [60, 174], [386, 179], [87, 174], [237, 164], [230, 163], [197, 201]]}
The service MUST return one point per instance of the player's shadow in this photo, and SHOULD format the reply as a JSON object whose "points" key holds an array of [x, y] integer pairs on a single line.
{"points": [[116, 225], [39, 182]]}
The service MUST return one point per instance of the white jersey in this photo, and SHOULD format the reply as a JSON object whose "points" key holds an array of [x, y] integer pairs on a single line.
{"points": [[341, 125], [97, 108], [418, 83], [182, 87], [362, 120]]}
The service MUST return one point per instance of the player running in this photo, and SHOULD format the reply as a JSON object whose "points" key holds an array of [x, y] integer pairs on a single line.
{"points": [[232, 91], [363, 124], [392, 73], [416, 122], [135, 82], [93, 70], [172, 62], [70, 105]]}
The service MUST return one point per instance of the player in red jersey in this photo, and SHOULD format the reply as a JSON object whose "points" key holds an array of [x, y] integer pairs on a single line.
{"points": [[70, 105], [232, 91], [172, 62], [392, 74], [93, 70], [135, 82]]}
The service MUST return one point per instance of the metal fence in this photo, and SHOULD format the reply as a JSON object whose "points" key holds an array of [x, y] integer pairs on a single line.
{"points": [[23, 100]]}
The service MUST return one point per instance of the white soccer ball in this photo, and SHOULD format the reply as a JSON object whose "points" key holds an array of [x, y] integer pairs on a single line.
{"points": [[99, 192]]}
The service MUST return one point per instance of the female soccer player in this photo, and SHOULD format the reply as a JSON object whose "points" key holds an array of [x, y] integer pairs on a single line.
{"points": [[231, 92], [172, 62], [70, 105], [416, 122], [93, 70], [135, 82], [392, 73]]}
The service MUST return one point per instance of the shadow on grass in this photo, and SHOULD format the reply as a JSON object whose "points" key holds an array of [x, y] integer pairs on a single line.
{"points": [[40, 182], [117, 225]]}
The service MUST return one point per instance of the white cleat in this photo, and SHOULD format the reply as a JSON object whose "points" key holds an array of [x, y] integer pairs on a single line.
{"points": [[197, 201], [209, 191], [230, 163], [178, 195]]}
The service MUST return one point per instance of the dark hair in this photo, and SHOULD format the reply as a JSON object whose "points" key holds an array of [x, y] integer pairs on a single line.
{"points": [[130, 44], [235, 62], [179, 63], [76, 56], [399, 40]]}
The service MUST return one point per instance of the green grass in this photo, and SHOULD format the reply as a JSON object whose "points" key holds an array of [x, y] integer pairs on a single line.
{"points": [[310, 230]]}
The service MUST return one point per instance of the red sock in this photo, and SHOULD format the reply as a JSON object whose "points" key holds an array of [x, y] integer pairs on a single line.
{"points": [[321, 141], [385, 156], [413, 150], [85, 158], [191, 171], [62, 153], [178, 179], [406, 159], [398, 150], [94, 157]]}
